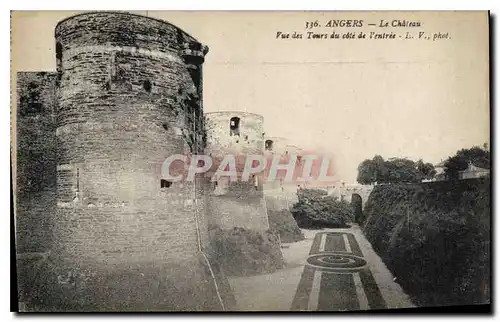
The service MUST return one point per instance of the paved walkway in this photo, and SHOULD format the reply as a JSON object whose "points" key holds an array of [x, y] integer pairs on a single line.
{"points": [[331, 270]]}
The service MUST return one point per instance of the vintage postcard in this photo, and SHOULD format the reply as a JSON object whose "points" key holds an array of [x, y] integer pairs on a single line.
{"points": [[250, 161]]}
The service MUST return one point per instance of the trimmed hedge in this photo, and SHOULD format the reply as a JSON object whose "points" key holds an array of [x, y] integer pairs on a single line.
{"points": [[435, 238], [282, 222], [241, 251]]}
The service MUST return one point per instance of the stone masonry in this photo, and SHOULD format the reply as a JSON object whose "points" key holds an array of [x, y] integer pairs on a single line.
{"points": [[92, 138], [242, 203]]}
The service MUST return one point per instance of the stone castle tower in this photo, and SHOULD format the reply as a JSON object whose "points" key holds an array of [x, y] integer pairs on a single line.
{"points": [[242, 203], [130, 95], [126, 95]]}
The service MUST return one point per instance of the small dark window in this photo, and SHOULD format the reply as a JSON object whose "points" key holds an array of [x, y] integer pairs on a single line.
{"points": [[234, 126], [269, 145], [59, 50], [147, 86], [165, 183], [195, 46], [165, 126]]}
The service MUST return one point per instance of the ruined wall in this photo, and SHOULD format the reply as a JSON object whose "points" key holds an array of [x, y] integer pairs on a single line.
{"points": [[35, 166], [130, 96], [279, 193], [236, 204]]}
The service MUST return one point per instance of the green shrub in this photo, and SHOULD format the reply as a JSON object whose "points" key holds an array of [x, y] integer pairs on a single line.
{"points": [[241, 251], [282, 222], [435, 238], [315, 209]]}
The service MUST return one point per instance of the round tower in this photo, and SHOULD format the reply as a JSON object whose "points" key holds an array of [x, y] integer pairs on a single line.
{"points": [[241, 203], [130, 96]]}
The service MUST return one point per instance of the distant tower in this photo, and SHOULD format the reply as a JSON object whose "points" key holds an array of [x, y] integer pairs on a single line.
{"points": [[278, 146], [279, 193], [236, 204], [130, 96]]}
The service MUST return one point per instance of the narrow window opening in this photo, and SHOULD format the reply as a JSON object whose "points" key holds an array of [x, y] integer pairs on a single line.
{"points": [[147, 86], [269, 145], [58, 50], [165, 183], [59, 55], [165, 126], [180, 38], [234, 126], [77, 179]]}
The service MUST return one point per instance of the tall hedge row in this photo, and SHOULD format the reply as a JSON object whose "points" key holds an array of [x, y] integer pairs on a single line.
{"points": [[435, 238]]}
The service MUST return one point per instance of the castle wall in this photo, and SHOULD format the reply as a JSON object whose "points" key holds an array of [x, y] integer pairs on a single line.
{"points": [[280, 194], [242, 203], [277, 202], [130, 96], [35, 166], [249, 213]]}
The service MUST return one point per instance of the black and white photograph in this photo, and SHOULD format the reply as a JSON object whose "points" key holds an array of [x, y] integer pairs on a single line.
{"points": [[251, 161]]}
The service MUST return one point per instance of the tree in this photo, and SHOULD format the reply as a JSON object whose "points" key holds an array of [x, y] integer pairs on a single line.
{"points": [[367, 172], [480, 157], [393, 170], [426, 169], [381, 171], [316, 209]]}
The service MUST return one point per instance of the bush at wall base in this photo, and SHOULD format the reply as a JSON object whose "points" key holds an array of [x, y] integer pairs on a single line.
{"points": [[243, 251]]}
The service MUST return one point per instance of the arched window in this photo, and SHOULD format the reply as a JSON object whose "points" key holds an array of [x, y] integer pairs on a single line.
{"points": [[234, 126]]}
